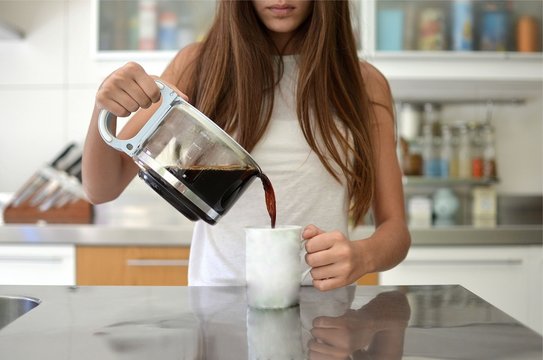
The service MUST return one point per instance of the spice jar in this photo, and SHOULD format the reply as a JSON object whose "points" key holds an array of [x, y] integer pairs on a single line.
{"points": [[527, 34]]}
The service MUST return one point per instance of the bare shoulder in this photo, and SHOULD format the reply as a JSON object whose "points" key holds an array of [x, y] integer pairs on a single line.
{"points": [[376, 84], [181, 66]]}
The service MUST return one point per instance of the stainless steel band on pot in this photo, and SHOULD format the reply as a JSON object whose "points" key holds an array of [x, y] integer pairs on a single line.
{"points": [[146, 162]]}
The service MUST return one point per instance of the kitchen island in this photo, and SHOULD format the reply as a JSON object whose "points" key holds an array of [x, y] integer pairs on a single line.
{"points": [[380, 322]]}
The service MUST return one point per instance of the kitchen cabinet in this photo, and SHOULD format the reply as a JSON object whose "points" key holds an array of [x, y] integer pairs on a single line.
{"points": [[37, 264], [122, 265], [150, 29], [449, 75], [126, 265], [414, 74], [509, 277]]}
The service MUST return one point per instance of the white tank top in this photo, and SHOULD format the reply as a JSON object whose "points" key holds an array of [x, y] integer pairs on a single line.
{"points": [[305, 194]]}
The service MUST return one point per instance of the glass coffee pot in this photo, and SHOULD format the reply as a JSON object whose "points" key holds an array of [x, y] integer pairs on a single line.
{"points": [[186, 158]]}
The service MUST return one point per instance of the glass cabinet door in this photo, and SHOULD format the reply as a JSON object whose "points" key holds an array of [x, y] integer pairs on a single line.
{"points": [[458, 25], [151, 25]]}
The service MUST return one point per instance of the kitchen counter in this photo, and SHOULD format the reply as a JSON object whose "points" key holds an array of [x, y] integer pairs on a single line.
{"points": [[408, 322], [180, 235], [139, 218]]}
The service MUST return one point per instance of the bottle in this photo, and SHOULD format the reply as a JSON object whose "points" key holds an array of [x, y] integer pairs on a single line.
{"points": [[432, 35], [489, 153], [476, 152], [167, 31], [431, 141], [147, 28], [494, 26], [410, 119], [462, 32], [411, 159], [446, 156], [528, 34], [464, 152]]}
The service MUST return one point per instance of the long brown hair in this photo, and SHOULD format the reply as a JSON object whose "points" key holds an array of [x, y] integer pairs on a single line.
{"points": [[236, 70]]}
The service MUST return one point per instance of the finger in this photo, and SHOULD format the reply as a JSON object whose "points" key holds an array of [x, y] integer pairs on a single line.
{"points": [[327, 272], [320, 242], [329, 284], [147, 84], [318, 258], [115, 108], [311, 231], [126, 99], [145, 93]]}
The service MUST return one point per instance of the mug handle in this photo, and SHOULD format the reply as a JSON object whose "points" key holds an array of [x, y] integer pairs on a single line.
{"points": [[132, 146]]}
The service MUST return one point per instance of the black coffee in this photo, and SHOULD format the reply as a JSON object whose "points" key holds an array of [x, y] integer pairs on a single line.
{"points": [[220, 187]]}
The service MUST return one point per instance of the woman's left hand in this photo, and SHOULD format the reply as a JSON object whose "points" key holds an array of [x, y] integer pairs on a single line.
{"points": [[333, 258]]}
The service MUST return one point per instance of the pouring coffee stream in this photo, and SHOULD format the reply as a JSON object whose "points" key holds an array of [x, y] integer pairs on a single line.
{"points": [[270, 198], [189, 160]]}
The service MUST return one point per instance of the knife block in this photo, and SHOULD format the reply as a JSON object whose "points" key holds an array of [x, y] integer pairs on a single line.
{"points": [[79, 212]]}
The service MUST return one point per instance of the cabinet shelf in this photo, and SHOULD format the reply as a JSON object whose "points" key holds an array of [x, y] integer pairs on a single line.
{"points": [[450, 55], [422, 181]]}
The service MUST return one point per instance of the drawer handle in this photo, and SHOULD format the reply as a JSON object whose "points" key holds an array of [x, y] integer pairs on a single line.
{"points": [[483, 262], [156, 262], [32, 259]]}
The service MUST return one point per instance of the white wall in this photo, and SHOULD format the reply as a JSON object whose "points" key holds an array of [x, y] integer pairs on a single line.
{"points": [[47, 83], [49, 78]]}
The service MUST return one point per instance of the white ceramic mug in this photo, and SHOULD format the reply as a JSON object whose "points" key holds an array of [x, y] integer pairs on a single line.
{"points": [[273, 266]]}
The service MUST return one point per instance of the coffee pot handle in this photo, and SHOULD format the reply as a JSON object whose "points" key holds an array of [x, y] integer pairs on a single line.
{"points": [[133, 145]]}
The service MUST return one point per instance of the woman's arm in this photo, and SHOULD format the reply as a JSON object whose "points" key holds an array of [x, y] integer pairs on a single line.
{"points": [[391, 240], [335, 260], [106, 171]]}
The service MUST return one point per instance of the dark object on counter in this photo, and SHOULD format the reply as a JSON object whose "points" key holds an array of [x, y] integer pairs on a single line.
{"points": [[76, 212], [520, 210]]}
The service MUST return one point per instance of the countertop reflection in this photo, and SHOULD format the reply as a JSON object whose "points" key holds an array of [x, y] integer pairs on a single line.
{"points": [[370, 322]]}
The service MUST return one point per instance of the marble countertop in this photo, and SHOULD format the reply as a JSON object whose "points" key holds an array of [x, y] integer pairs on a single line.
{"points": [[407, 322]]}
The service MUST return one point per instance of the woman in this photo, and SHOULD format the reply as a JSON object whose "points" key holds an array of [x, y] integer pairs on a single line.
{"points": [[283, 78]]}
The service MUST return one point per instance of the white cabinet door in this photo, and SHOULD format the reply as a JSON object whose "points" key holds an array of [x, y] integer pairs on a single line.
{"points": [[37, 265], [505, 276]]}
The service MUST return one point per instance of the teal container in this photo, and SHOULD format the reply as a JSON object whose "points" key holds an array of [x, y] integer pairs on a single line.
{"points": [[390, 24], [462, 29]]}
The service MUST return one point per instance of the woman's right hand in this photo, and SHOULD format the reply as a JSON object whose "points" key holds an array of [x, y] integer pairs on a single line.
{"points": [[126, 90]]}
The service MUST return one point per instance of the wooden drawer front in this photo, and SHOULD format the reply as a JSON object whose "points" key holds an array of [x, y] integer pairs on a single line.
{"points": [[369, 279], [132, 265]]}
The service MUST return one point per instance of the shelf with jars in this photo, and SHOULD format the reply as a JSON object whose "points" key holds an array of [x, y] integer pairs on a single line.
{"points": [[455, 49], [440, 153], [449, 168], [492, 28]]}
